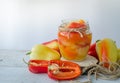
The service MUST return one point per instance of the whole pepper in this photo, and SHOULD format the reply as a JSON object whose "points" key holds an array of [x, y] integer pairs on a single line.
{"points": [[92, 51]]}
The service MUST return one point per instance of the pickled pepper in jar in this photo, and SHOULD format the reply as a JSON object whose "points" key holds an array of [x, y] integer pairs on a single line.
{"points": [[74, 38]]}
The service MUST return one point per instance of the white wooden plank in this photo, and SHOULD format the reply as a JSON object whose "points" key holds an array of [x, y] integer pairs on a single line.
{"points": [[14, 70]]}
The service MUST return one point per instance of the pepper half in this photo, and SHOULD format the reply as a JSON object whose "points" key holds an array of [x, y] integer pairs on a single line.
{"points": [[63, 70], [38, 66]]}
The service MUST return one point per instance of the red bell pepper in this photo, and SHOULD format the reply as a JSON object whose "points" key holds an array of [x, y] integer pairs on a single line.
{"points": [[92, 51], [63, 70], [38, 66]]}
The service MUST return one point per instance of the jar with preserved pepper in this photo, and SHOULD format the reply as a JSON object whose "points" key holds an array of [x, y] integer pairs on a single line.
{"points": [[74, 38]]}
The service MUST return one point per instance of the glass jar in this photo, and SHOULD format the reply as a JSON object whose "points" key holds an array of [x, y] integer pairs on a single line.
{"points": [[74, 38]]}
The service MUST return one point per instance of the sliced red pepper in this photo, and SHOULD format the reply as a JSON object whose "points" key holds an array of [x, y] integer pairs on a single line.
{"points": [[38, 66], [63, 70]]}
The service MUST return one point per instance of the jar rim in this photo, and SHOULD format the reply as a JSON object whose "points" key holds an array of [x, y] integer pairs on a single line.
{"points": [[83, 29], [66, 22], [64, 27]]}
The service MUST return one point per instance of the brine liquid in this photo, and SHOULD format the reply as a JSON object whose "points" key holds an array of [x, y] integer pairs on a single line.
{"points": [[73, 46]]}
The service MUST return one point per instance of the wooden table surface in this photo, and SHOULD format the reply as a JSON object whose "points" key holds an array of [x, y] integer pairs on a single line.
{"points": [[14, 70]]}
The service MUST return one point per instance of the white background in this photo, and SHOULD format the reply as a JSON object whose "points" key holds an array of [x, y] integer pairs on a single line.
{"points": [[24, 23]]}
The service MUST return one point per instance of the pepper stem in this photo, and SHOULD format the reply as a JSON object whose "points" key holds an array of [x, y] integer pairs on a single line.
{"points": [[28, 53]]}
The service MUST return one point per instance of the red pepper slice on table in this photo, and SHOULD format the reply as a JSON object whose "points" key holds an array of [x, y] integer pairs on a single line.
{"points": [[38, 66], [63, 70]]}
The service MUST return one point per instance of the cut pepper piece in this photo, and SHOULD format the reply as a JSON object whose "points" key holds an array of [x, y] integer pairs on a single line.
{"points": [[38, 66], [63, 70]]}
